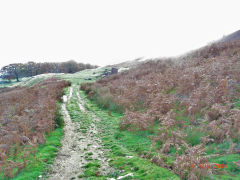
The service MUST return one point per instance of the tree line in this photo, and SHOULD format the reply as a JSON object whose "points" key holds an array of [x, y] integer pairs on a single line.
{"points": [[29, 69]]}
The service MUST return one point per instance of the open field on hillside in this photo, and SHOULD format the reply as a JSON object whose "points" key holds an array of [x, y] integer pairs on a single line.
{"points": [[27, 81]]}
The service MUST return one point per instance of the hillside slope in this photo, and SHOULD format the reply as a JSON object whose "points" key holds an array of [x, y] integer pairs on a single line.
{"points": [[190, 106], [29, 116]]}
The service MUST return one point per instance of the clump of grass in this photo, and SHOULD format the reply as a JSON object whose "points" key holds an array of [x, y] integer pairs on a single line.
{"points": [[91, 169], [194, 136], [59, 121], [89, 153]]}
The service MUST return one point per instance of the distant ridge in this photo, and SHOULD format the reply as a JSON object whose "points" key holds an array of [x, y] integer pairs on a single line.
{"points": [[231, 37], [129, 63]]}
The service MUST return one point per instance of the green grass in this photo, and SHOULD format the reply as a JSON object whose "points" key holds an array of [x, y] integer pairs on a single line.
{"points": [[26, 81], [82, 76], [107, 102], [44, 157], [34, 81], [6, 83], [194, 136], [214, 148], [59, 121], [124, 144], [75, 114], [237, 105], [232, 171], [90, 169]]}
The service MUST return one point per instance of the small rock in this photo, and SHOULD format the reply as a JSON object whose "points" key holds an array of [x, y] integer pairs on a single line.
{"points": [[122, 177], [25, 139], [129, 157]]}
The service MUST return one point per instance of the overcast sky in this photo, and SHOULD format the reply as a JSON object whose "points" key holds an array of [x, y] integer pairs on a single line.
{"points": [[109, 31]]}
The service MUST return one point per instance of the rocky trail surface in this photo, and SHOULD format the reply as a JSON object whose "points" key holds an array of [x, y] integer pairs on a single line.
{"points": [[76, 146]]}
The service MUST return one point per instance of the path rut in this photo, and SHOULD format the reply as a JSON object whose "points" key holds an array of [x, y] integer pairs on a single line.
{"points": [[75, 145]]}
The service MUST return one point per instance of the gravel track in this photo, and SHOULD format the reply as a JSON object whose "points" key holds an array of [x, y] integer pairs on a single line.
{"points": [[77, 145]]}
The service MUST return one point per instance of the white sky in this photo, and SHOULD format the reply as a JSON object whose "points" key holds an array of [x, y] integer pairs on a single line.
{"points": [[109, 31]]}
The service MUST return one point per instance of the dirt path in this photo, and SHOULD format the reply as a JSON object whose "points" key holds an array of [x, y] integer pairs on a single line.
{"points": [[96, 146], [77, 145]]}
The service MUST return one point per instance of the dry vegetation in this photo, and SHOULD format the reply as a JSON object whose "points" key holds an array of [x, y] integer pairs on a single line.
{"points": [[194, 102], [26, 114]]}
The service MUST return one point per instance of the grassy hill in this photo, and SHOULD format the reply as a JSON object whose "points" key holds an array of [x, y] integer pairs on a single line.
{"points": [[189, 108], [27, 81]]}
